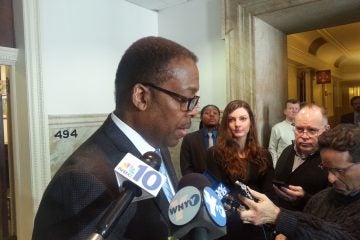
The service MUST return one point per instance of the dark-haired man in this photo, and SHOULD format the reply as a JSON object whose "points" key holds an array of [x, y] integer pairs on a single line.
{"points": [[353, 117], [195, 144], [332, 213], [155, 87]]}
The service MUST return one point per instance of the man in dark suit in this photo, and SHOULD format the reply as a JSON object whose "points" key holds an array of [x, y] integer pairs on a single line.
{"points": [[195, 144], [155, 88], [353, 117]]}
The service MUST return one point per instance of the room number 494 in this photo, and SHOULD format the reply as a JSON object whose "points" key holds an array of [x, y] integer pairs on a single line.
{"points": [[66, 133]]}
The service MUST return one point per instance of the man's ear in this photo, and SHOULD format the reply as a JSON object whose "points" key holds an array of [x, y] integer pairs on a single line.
{"points": [[327, 127], [140, 96]]}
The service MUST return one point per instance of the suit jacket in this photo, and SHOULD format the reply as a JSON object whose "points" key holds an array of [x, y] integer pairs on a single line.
{"points": [[193, 153], [348, 118], [85, 185], [308, 175]]}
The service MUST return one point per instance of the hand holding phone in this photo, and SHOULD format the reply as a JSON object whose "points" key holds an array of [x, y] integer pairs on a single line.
{"points": [[280, 184], [244, 191], [232, 204]]}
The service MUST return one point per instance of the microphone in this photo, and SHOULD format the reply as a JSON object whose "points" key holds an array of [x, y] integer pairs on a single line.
{"points": [[230, 203], [137, 177], [143, 173], [196, 211]]}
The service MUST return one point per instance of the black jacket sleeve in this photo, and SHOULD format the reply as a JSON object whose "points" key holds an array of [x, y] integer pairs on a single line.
{"points": [[303, 226]]}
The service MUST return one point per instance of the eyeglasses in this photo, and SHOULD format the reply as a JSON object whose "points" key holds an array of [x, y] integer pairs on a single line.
{"points": [[190, 102], [336, 171], [311, 132]]}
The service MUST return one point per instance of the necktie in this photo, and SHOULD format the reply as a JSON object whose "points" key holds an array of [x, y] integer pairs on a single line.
{"points": [[211, 140], [167, 187]]}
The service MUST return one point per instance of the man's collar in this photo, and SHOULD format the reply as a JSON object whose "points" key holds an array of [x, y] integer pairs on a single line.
{"points": [[345, 198], [139, 142], [206, 130], [300, 155], [289, 122]]}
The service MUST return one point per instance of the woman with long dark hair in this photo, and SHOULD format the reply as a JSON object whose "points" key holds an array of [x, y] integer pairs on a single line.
{"points": [[238, 156]]}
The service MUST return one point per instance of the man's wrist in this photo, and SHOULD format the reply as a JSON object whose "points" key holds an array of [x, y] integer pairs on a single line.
{"points": [[277, 211], [286, 222]]}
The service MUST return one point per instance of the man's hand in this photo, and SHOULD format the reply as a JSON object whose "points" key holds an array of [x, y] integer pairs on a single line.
{"points": [[291, 193], [260, 212]]}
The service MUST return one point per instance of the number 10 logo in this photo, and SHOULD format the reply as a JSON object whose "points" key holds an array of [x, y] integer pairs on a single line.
{"points": [[147, 177], [144, 176]]}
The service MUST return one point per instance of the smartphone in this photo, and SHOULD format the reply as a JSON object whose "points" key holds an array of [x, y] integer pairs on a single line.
{"points": [[280, 183], [244, 191], [231, 204]]}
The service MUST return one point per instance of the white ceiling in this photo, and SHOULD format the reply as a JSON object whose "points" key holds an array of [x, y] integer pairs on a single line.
{"points": [[321, 25], [157, 5]]}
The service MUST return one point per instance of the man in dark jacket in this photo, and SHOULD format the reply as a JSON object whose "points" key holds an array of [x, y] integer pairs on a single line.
{"points": [[298, 163], [195, 144], [353, 117], [331, 214], [155, 88]]}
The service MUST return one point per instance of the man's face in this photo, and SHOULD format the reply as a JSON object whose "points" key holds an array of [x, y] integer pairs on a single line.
{"points": [[210, 117], [167, 118], [343, 175], [356, 105], [291, 110], [308, 127]]}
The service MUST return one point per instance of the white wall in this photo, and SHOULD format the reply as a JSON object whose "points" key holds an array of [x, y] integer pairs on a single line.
{"points": [[270, 84], [197, 25], [81, 43]]}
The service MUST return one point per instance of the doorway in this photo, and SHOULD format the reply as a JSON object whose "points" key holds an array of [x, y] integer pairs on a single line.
{"points": [[7, 210], [334, 52]]}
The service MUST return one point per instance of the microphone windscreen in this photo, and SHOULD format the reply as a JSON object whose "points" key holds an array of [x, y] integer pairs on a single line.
{"points": [[152, 159], [196, 180], [196, 211]]}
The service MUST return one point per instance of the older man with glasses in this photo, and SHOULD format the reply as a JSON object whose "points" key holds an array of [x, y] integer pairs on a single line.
{"points": [[330, 214], [297, 167]]}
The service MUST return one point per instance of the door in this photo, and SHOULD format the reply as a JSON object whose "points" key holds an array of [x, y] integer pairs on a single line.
{"points": [[7, 221]]}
